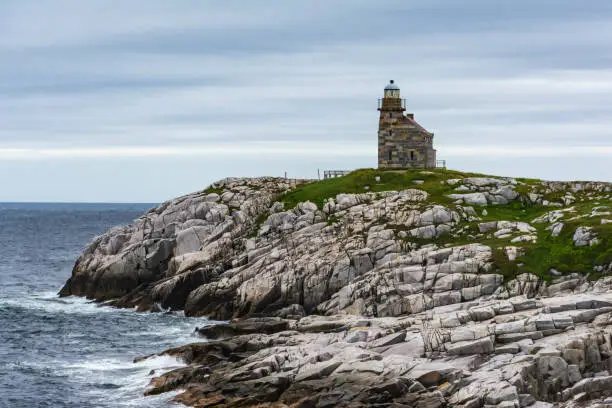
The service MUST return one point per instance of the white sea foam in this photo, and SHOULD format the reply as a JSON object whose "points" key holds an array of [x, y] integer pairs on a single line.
{"points": [[112, 382], [180, 333], [128, 380], [51, 303], [113, 364], [106, 371]]}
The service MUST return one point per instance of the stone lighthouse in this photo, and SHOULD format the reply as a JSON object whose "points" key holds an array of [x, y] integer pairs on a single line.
{"points": [[402, 142]]}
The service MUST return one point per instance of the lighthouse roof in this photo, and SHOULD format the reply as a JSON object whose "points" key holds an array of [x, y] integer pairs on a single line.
{"points": [[391, 86]]}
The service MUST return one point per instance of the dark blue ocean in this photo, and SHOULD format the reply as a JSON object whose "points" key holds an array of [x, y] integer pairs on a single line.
{"points": [[70, 352]]}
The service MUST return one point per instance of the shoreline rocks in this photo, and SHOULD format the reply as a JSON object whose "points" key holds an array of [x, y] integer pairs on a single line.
{"points": [[387, 299], [354, 361]]}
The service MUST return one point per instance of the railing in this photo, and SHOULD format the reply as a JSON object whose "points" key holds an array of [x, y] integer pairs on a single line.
{"points": [[327, 174], [441, 164], [392, 104]]}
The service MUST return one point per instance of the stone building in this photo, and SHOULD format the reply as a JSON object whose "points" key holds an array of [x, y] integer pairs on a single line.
{"points": [[402, 142]]}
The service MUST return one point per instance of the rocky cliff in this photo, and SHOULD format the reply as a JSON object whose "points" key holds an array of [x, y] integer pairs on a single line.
{"points": [[379, 288]]}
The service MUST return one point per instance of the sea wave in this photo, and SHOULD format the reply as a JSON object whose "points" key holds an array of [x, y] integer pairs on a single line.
{"points": [[49, 302], [72, 352], [92, 347], [127, 379]]}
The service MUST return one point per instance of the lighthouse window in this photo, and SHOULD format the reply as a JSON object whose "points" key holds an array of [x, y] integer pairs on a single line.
{"points": [[412, 155], [390, 155]]}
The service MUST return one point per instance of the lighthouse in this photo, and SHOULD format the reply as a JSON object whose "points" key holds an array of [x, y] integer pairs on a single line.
{"points": [[402, 142]]}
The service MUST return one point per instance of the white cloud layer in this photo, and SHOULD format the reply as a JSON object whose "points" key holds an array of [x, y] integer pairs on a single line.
{"points": [[307, 151]]}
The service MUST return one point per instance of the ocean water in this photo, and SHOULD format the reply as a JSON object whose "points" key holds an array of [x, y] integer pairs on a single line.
{"points": [[70, 352]]}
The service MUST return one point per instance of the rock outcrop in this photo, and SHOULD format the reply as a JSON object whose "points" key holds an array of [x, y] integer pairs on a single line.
{"points": [[510, 353], [453, 291], [175, 247]]}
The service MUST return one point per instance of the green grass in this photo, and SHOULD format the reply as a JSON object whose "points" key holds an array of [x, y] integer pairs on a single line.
{"points": [[501, 265], [529, 181], [332, 219], [561, 254], [364, 180], [514, 211], [212, 189], [557, 252], [261, 218]]}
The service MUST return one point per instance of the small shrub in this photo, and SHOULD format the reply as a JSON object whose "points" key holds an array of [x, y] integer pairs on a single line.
{"points": [[212, 189]]}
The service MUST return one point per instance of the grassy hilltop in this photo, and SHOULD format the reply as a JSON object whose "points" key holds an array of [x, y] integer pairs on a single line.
{"points": [[536, 198]]}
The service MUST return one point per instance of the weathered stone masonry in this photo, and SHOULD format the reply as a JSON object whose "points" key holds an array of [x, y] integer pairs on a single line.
{"points": [[402, 142]]}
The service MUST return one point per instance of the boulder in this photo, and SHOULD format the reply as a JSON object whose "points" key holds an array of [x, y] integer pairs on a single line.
{"points": [[317, 370], [585, 236], [480, 346], [389, 340], [255, 325], [478, 199]]}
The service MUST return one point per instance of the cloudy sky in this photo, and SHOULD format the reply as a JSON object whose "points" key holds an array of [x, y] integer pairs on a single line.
{"points": [[140, 101]]}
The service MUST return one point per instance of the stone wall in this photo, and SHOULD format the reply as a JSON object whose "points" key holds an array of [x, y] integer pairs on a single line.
{"points": [[403, 143]]}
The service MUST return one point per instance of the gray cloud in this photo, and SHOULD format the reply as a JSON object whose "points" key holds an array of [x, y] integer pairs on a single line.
{"points": [[153, 80]]}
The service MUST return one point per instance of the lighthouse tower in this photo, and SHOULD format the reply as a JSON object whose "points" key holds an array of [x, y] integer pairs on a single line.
{"points": [[402, 142]]}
